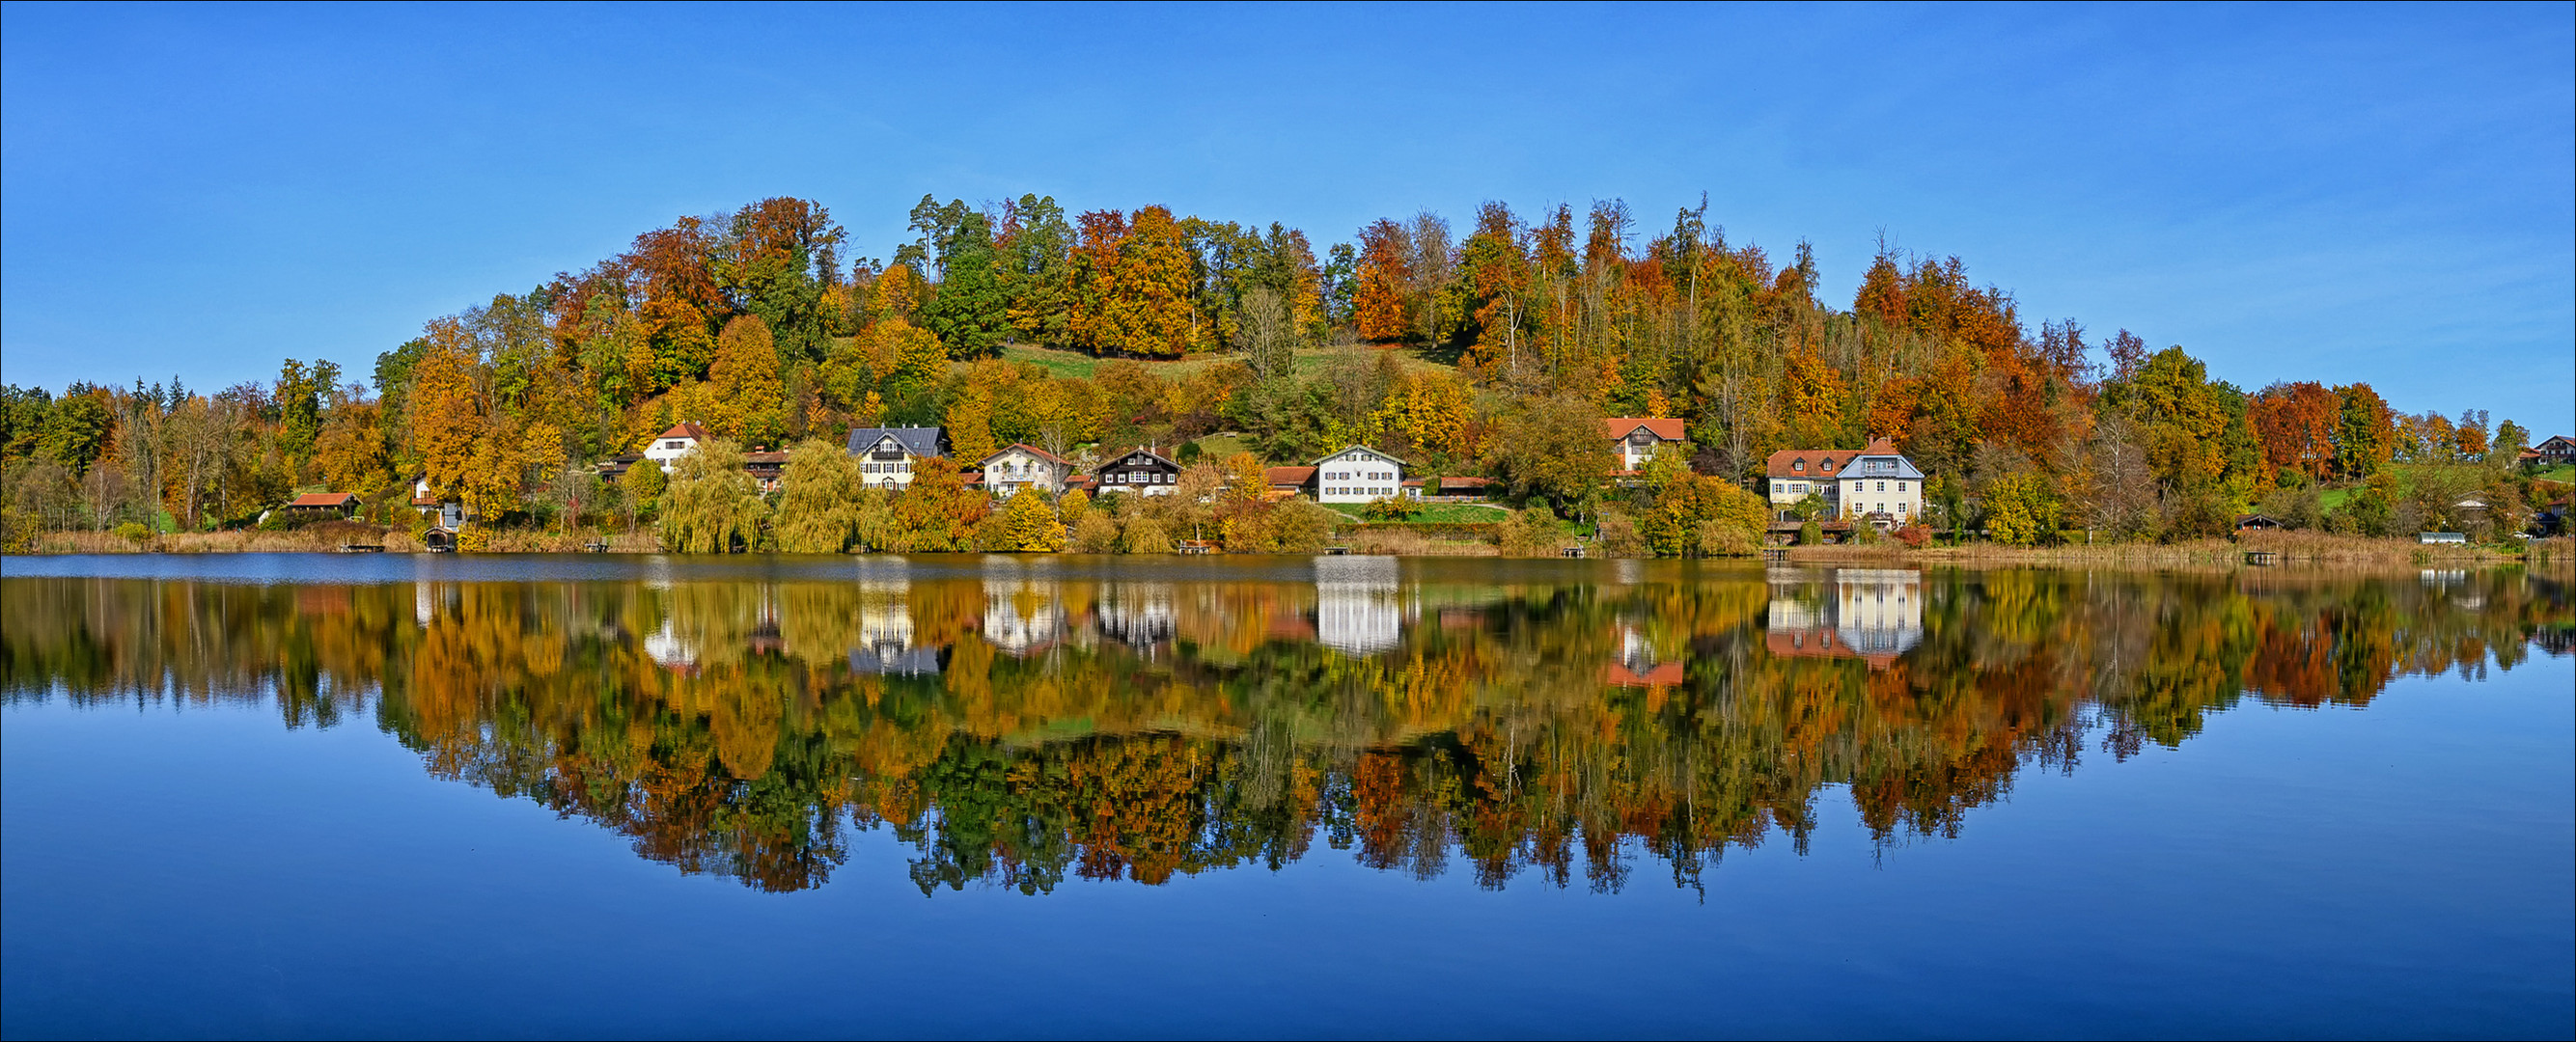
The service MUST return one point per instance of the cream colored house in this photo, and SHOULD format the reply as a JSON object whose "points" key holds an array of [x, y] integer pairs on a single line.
{"points": [[1636, 439], [1877, 483], [1025, 466]]}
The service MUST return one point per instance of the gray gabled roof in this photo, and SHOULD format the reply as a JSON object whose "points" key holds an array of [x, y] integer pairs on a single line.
{"points": [[919, 441], [1116, 458], [1861, 467]]}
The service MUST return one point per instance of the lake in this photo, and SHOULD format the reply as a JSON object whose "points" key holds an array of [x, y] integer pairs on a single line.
{"points": [[483, 795]]}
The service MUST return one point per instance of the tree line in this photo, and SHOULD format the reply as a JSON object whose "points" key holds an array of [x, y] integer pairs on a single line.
{"points": [[1490, 350]]}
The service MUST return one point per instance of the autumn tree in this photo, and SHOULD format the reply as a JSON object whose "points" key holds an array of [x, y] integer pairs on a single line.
{"points": [[712, 506], [2365, 432], [1552, 449], [749, 397], [818, 504], [1029, 525]]}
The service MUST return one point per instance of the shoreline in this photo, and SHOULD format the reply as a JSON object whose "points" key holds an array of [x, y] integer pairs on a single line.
{"points": [[2289, 549]]}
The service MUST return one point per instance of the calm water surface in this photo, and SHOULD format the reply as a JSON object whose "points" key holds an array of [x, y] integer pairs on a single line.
{"points": [[513, 796]]}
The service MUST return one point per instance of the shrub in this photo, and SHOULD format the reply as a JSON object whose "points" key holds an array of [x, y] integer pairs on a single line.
{"points": [[1619, 538], [1145, 535], [132, 532], [1302, 526], [1390, 508], [1914, 536], [1529, 533], [1095, 534]]}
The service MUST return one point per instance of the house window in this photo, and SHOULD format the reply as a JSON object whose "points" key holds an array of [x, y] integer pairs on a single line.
{"points": [[1800, 465], [1882, 486], [1900, 486]]}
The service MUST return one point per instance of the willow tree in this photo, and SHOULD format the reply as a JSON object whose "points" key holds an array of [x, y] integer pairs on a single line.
{"points": [[818, 507], [712, 503]]}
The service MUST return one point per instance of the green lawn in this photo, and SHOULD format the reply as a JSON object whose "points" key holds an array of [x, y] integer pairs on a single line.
{"points": [[1442, 513]]}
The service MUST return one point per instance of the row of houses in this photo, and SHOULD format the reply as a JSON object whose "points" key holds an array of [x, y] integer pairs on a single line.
{"points": [[890, 457], [1875, 483]]}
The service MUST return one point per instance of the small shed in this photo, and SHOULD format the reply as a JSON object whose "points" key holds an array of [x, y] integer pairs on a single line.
{"points": [[2257, 523], [324, 504]]}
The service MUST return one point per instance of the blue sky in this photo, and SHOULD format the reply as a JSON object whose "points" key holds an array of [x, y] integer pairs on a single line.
{"points": [[2377, 193]]}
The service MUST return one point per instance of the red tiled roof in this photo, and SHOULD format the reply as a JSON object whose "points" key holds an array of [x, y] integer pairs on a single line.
{"points": [[684, 430], [325, 499], [1667, 428], [1820, 462], [1466, 482], [1660, 674], [1279, 476], [1031, 450], [1819, 643]]}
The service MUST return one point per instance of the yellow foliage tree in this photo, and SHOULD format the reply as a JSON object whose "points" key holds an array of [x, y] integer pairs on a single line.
{"points": [[712, 506], [1029, 525], [748, 395]]}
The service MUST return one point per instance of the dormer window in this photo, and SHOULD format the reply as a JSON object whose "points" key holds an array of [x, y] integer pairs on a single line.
{"points": [[1799, 466]]}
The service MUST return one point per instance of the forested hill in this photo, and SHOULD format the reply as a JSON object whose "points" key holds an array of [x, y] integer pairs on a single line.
{"points": [[1478, 347]]}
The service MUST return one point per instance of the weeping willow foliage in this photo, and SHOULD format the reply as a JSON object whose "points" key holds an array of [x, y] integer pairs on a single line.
{"points": [[818, 509], [712, 506]]}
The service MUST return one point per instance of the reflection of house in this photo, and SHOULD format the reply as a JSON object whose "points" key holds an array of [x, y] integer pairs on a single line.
{"points": [[1356, 475], [1636, 439], [1872, 614], [888, 456], [1025, 466], [1139, 615], [1359, 604], [1022, 618], [885, 632], [667, 647], [1140, 469], [1637, 665]]}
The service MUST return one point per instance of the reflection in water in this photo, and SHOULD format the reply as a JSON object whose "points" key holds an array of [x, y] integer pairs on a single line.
{"points": [[1019, 725], [1871, 614]]}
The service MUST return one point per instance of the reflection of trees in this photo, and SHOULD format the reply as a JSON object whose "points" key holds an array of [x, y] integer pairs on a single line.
{"points": [[1123, 731]]}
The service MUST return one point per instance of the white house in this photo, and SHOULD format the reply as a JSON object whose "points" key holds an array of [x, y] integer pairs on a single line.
{"points": [[1876, 481], [1881, 484], [889, 456], [1359, 474], [672, 444], [1636, 439], [1025, 466]]}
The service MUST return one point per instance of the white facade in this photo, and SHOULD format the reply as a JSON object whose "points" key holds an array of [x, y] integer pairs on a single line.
{"points": [[1021, 466], [670, 445], [886, 463], [1357, 475], [1880, 485]]}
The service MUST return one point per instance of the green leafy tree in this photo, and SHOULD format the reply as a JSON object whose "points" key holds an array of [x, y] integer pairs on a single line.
{"points": [[970, 313], [2021, 510], [1552, 449], [818, 503], [713, 506]]}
